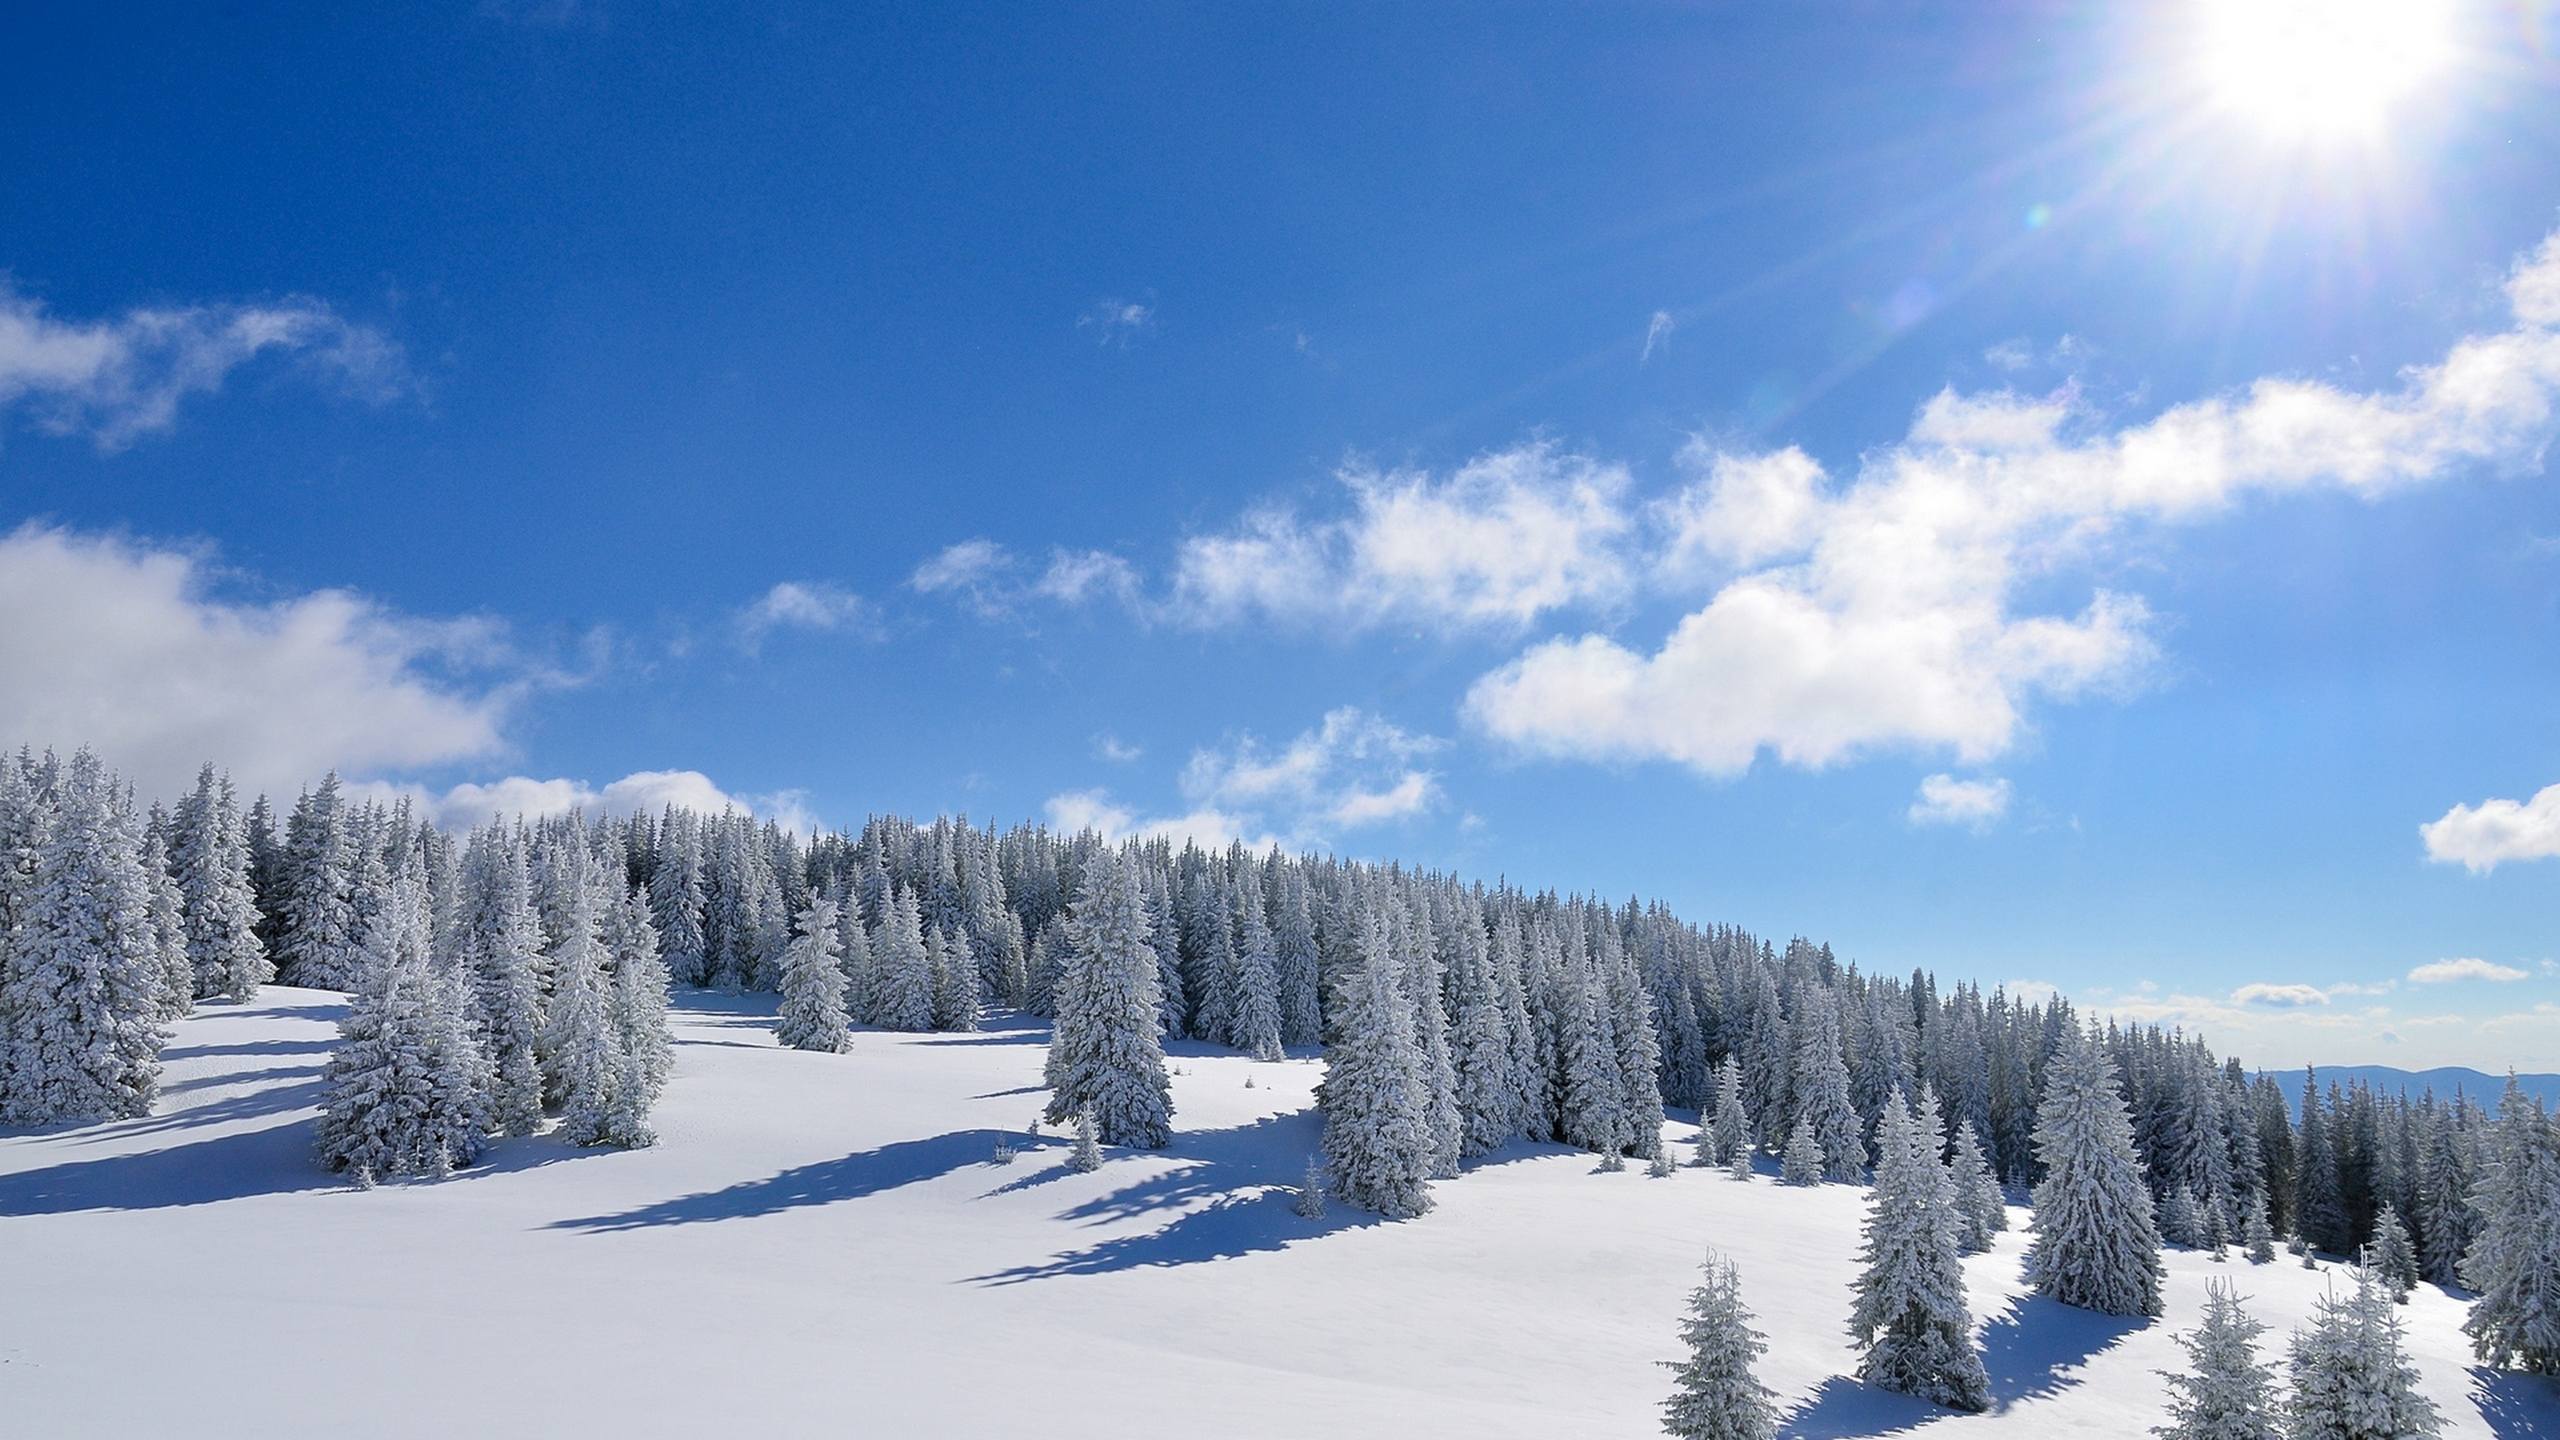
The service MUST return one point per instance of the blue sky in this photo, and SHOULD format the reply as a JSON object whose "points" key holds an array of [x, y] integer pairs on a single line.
{"points": [[1941, 479]]}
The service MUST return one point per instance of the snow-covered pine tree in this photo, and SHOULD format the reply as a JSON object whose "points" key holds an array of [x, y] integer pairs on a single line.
{"points": [[1255, 1027], [2227, 1392], [2391, 1256], [1802, 1161], [1480, 1049], [2257, 1236], [1592, 1113], [84, 984], [502, 941], [903, 999], [1821, 1094], [1377, 1142], [639, 1015], [955, 983], [2096, 1244], [316, 934], [853, 952], [1293, 948], [1106, 1054], [404, 1087], [168, 927], [2180, 1224], [812, 1015], [676, 898], [1717, 1394], [1086, 1157], [2514, 1261], [2446, 1221], [1310, 1202], [2319, 1214], [582, 1056], [212, 861], [1983, 1210], [1730, 1134], [2352, 1379], [1910, 1313]]}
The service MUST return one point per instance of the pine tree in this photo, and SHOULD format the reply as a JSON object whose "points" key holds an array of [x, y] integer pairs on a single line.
{"points": [[2180, 1224], [1377, 1142], [2319, 1214], [1911, 1312], [1802, 1162], [1086, 1157], [406, 1085], [2227, 1392], [1310, 1202], [904, 969], [168, 928], [639, 1018], [2514, 1262], [955, 983], [224, 953], [1821, 1081], [84, 984], [1730, 1136], [502, 944], [1105, 1053], [2391, 1256], [1256, 1025], [676, 900], [1717, 1394], [316, 935], [2352, 1379], [2257, 1236], [2096, 1245], [1982, 1209], [583, 1064], [812, 1015]]}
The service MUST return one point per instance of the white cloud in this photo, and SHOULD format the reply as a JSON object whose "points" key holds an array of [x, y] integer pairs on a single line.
{"points": [[1116, 322], [1946, 800], [1352, 770], [1075, 576], [2484, 836], [1111, 748], [119, 379], [643, 792], [2011, 355], [1079, 810], [127, 646], [1886, 614], [2280, 997], [1508, 537], [1657, 331], [2438, 972], [975, 570], [2031, 992], [802, 605]]}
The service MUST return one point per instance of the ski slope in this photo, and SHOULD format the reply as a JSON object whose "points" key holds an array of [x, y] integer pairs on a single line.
{"points": [[825, 1244]]}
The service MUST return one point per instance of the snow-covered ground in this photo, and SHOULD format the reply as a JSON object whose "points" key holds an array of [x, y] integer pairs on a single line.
{"points": [[823, 1243]]}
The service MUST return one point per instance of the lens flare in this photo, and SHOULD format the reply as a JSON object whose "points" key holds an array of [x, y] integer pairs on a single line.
{"points": [[2308, 69]]}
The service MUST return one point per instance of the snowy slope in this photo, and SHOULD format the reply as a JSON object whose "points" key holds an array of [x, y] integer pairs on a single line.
{"points": [[821, 1243]]}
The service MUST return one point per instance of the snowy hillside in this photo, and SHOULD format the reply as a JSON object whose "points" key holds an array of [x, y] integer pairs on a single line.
{"points": [[823, 1242]]}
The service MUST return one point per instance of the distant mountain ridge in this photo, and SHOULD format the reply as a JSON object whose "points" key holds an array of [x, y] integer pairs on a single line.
{"points": [[2483, 1089]]}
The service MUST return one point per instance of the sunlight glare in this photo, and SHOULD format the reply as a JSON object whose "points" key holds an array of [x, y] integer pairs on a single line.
{"points": [[2305, 69]]}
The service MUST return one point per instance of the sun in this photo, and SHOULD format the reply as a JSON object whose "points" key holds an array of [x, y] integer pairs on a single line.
{"points": [[2303, 70]]}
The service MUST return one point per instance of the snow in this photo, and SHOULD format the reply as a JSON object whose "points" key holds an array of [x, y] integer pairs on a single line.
{"points": [[824, 1242]]}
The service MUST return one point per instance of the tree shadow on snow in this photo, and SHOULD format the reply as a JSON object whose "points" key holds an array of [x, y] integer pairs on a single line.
{"points": [[276, 1160], [2030, 1345], [261, 1047], [825, 1182], [1236, 1189], [2516, 1406], [1847, 1409]]}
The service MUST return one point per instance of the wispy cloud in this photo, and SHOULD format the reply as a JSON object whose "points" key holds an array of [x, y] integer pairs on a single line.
{"points": [[117, 380], [1657, 333], [2439, 972], [2280, 997], [803, 605], [1110, 748], [1352, 771], [1115, 322]]}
